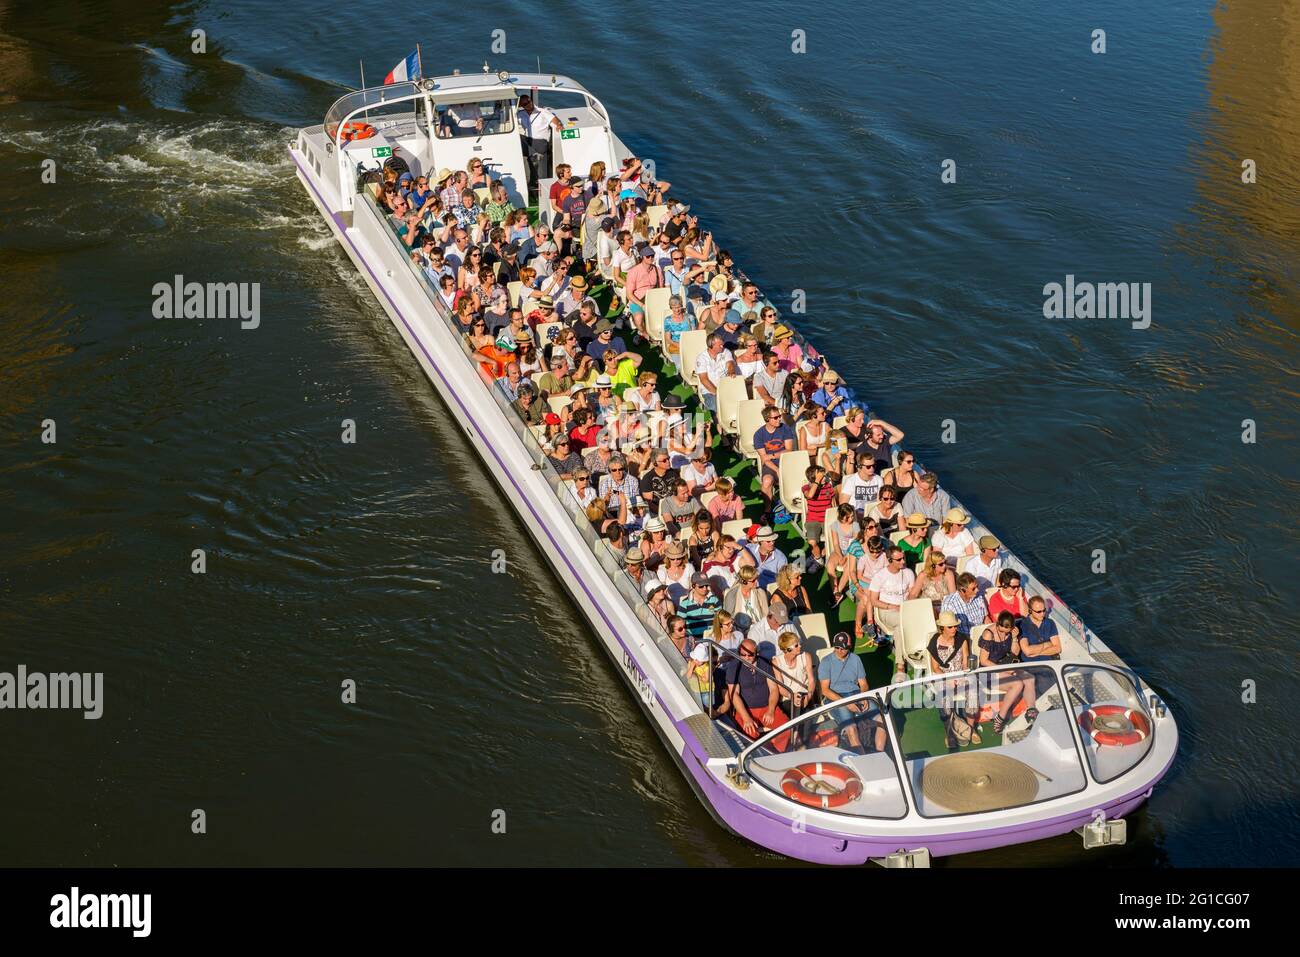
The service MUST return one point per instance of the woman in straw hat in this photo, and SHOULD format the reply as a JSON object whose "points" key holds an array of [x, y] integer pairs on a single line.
{"points": [[953, 538], [915, 543], [949, 651]]}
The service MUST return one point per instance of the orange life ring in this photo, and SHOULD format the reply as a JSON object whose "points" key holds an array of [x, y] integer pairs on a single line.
{"points": [[1140, 727], [794, 787], [356, 130]]}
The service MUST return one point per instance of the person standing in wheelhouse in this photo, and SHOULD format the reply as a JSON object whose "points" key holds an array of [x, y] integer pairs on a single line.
{"points": [[535, 125]]}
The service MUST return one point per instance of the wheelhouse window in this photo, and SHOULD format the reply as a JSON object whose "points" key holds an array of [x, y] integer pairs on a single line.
{"points": [[986, 741], [479, 118]]}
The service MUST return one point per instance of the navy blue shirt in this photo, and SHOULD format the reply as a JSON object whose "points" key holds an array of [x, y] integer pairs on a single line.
{"points": [[597, 349], [1032, 634], [753, 684]]}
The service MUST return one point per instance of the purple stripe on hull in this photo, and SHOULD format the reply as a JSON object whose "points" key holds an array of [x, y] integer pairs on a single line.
{"points": [[820, 846]]}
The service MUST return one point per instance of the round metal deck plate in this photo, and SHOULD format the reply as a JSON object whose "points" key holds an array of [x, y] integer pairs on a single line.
{"points": [[976, 781], [1112, 724]]}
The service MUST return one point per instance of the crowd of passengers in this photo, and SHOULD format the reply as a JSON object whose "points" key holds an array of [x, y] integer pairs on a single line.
{"points": [[640, 466]]}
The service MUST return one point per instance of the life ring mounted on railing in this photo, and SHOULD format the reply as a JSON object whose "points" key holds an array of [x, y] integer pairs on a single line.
{"points": [[1113, 725], [356, 130], [804, 783]]}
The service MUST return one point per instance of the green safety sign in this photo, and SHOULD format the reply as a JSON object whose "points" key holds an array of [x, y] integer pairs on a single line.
{"points": [[569, 134], [381, 152]]}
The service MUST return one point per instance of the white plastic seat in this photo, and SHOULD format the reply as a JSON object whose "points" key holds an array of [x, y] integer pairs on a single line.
{"points": [[896, 537], [656, 308], [731, 392], [656, 214], [839, 421], [483, 195], [544, 331], [750, 419], [736, 528], [816, 634], [514, 289], [692, 343], [916, 625], [793, 466], [536, 378], [558, 403], [706, 498], [961, 563]]}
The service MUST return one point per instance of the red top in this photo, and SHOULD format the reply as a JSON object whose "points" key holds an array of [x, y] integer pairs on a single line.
{"points": [[819, 502], [584, 438], [998, 604]]}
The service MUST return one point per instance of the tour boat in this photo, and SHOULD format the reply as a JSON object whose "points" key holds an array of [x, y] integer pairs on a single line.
{"points": [[900, 794]]}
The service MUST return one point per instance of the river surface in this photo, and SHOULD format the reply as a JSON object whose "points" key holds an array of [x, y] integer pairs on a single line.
{"points": [[479, 692]]}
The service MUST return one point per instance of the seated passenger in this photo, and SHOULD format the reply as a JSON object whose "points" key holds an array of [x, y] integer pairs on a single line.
{"points": [[676, 572], [726, 506], [559, 380], [927, 499], [675, 323], [746, 600], [793, 669], [986, 566], [772, 440], [953, 539], [510, 382], [619, 489], [844, 530], [527, 405], [654, 540], [660, 481], [791, 592], [698, 606], [767, 557], [565, 461], [950, 652], [934, 581], [585, 431], [818, 496], [704, 538], [1008, 596], [699, 676], [999, 645], [832, 396], [644, 396], [842, 676], [862, 488], [582, 489], [966, 604], [872, 560], [749, 357], [700, 475], [711, 366], [679, 509], [887, 592], [666, 614], [723, 564], [915, 544], [886, 511], [814, 432], [752, 697], [499, 206], [1039, 638]]}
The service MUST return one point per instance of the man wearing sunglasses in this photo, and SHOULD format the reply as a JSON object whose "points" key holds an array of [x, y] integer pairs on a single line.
{"points": [[887, 592], [752, 696]]}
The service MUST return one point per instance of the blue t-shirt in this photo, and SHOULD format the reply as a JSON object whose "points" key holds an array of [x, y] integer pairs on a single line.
{"points": [[1034, 635], [597, 349], [753, 683], [842, 676], [774, 442]]}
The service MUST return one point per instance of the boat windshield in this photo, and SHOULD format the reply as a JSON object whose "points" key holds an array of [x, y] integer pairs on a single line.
{"points": [[986, 740], [365, 100], [1116, 726], [837, 758]]}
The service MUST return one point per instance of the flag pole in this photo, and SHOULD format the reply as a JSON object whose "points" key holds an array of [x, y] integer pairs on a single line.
{"points": [[419, 63], [363, 84]]}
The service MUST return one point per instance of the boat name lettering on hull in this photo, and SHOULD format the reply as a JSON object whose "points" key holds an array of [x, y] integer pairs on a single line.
{"points": [[644, 685]]}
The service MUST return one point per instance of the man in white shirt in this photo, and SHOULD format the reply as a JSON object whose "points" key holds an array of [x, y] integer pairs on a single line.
{"points": [[862, 488], [986, 565], [767, 631], [712, 365], [887, 592], [607, 247], [624, 257], [535, 127]]}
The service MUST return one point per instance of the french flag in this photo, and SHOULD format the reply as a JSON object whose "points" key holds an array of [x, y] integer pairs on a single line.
{"points": [[406, 70]]}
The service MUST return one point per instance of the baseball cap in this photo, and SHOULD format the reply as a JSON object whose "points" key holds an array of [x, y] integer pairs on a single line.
{"points": [[988, 541], [842, 640], [699, 578], [551, 418]]}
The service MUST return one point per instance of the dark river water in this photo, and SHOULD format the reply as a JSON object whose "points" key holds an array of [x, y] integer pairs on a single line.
{"points": [[480, 692]]}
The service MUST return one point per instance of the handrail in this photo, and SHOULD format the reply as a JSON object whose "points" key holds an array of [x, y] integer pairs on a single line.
{"points": [[727, 651]]}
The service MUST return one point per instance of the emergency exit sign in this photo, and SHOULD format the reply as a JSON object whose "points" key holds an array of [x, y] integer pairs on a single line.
{"points": [[569, 134], [381, 152]]}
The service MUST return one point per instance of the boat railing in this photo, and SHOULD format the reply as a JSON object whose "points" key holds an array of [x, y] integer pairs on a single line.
{"points": [[360, 101], [605, 556]]}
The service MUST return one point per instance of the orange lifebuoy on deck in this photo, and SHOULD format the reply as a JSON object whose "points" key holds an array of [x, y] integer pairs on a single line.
{"points": [[356, 130], [1137, 731], [795, 784]]}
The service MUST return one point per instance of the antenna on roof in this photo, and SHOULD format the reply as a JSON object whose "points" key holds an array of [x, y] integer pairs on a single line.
{"points": [[539, 63]]}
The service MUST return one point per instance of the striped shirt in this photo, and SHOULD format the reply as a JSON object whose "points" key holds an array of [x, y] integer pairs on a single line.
{"points": [[969, 613], [698, 615]]}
